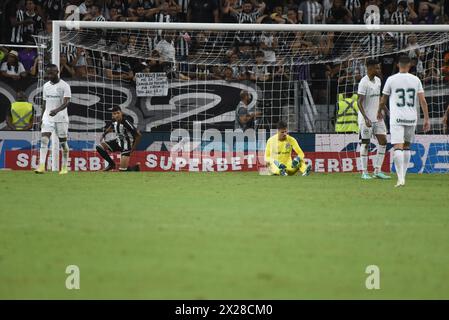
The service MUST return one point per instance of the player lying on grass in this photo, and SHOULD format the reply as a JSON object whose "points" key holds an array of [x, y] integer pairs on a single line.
{"points": [[126, 141], [405, 94], [278, 154], [369, 93], [56, 95]]}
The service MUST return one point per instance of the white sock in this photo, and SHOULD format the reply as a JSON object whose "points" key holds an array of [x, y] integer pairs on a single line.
{"points": [[364, 157], [65, 153], [407, 155], [379, 160], [398, 158], [43, 151]]}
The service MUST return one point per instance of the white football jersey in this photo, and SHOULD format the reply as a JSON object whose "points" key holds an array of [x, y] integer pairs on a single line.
{"points": [[54, 94], [403, 89], [371, 91]]}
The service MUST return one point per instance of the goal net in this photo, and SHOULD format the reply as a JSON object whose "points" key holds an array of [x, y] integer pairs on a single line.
{"points": [[182, 83]]}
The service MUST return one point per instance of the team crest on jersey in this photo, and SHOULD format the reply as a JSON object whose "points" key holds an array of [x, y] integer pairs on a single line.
{"points": [[288, 145]]}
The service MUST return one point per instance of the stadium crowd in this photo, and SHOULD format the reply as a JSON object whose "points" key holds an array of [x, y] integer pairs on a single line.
{"points": [[23, 19]]}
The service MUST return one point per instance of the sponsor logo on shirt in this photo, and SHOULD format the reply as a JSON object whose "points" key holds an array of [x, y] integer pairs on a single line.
{"points": [[405, 121]]}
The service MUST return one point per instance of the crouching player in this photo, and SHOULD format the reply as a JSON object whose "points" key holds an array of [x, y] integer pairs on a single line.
{"points": [[126, 141], [278, 154]]}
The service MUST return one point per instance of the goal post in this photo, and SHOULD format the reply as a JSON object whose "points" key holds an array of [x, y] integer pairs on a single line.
{"points": [[281, 82]]}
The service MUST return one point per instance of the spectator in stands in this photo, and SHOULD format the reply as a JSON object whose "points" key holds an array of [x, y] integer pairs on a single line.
{"points": [[248, 13], [182, 11], [260, 72], [417, 67], [203, 11], [54, 9], [12, 68], [281, 73], [339, 14], [278, 9], [94, 13], [182, 43], [121, 45], [168, 11], [40, 8], [325, 44], [352, 72], [319, 74], [238, 72], [65, 69], [215, 73], [244, 118], [432, 73], [166, 48], [155, 64], [27, 56], [47, 32], [85, 7], [299, 43], [292, 16], [115, 15], [18, 22], [140, 15], [36, 25], [118, 69], [269, 44], [414, 49], [403, 14], [310, 12], [355, 8], [228, 74], [21, 115], [151, 7], [226, 13], [79, 63], [90, 66], [426, 13], [34, 71], [200, 44]]}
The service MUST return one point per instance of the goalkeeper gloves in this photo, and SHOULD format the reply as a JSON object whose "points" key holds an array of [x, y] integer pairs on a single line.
{"points": [[296, 161], [279, 165]]}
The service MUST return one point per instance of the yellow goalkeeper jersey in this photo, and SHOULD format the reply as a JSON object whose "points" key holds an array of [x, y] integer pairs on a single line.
{"points": [[282, 150]]}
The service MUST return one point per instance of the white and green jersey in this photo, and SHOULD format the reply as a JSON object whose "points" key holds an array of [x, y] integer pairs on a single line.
{"points": [[403, 89], [371, 91]]}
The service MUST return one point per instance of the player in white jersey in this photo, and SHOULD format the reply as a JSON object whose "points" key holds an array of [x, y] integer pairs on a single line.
{"points": [[56, 96], [404, 91], [369, 96]]}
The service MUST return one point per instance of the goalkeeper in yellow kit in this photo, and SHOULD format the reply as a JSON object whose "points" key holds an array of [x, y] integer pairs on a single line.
{"points": [[278, 154]]}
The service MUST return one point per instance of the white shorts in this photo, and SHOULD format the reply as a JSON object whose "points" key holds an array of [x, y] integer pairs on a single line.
{"points": [[60, 128], [376, 128], [401, 134]]}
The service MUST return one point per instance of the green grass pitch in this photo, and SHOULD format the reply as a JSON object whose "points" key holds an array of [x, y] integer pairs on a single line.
{"points": [[222, 236]]}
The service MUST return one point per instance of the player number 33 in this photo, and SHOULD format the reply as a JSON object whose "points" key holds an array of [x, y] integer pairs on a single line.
{"points": [[407, 97]]}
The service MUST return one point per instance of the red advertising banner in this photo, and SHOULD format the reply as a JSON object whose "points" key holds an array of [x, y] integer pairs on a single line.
{"points": [[342, 161], [194, 161]]}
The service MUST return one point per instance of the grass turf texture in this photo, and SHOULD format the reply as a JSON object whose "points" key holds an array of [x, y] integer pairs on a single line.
{"points": [[220, 236]]}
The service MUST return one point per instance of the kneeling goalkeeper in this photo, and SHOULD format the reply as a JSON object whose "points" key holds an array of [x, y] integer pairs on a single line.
{"points": [[278, 154]]}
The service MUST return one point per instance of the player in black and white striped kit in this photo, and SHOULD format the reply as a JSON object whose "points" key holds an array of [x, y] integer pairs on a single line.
{"points": [[126, 140]]}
